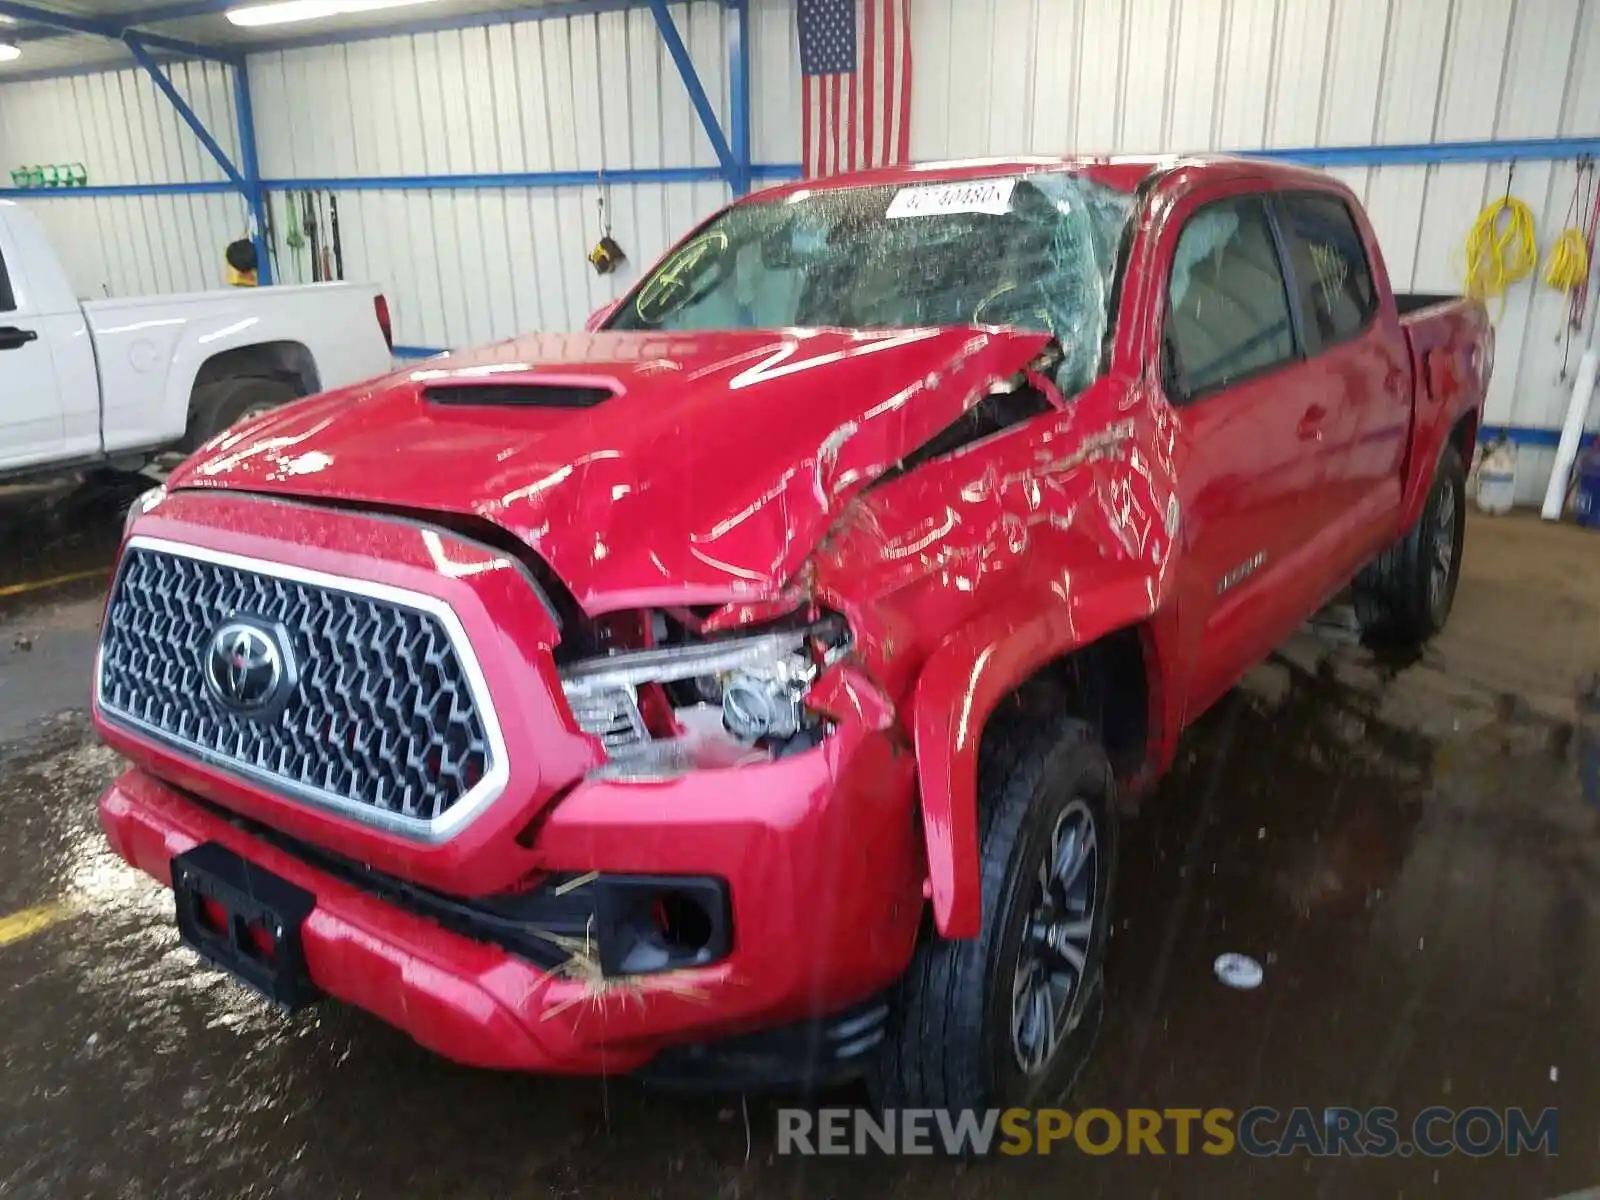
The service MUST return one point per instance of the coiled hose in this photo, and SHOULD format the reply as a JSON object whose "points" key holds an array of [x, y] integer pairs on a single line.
{"points": [[1566, 267], [1501, 249]]}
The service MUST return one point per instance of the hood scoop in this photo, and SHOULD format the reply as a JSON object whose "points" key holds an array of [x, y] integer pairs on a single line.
{"points": [[550, 395]]}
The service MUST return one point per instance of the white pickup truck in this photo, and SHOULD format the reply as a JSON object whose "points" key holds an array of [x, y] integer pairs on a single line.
{"points": [[115, 382]]}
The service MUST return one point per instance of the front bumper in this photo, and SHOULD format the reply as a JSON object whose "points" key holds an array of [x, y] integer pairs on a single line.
{"points": [[820, 854]]}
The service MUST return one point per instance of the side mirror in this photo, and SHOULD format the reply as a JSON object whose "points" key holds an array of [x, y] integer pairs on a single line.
{"points": [[598, 317]]}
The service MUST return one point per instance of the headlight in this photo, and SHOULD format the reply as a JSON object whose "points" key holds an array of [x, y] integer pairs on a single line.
{"points": [[669, 709], [143, 503]]}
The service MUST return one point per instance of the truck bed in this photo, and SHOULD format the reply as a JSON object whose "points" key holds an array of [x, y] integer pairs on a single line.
{"points": [[1443, 334], [1411, 302]]}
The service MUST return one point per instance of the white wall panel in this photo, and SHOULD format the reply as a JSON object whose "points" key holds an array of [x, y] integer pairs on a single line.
{"points": [[140, 245], [1474, 64], [591, 93], [125, 132], [118, 125], [1160, 75], [583, 93], [774, 82], [476, 265], [599, 93]]}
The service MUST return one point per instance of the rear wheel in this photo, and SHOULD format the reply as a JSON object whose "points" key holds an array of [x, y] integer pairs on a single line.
{"points": [[1405, 596], [223, 404], [1008, 1017]]}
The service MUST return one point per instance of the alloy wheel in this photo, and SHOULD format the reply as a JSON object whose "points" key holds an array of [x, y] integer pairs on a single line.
{"points": [[1053, 969], [1442, 552]]}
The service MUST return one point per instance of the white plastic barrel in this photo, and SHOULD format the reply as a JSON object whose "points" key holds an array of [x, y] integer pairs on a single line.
{"points": [[1497, 478]]}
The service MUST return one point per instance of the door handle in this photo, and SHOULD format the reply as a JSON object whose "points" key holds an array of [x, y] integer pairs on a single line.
{"points": [[12, 338], [1310, 427]]}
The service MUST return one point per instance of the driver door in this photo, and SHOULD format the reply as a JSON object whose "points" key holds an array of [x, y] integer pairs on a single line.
{"points": [[1232, 367]]}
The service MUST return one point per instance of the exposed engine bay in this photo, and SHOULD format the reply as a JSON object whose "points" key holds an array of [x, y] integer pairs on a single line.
{"points": [[665, 694]]}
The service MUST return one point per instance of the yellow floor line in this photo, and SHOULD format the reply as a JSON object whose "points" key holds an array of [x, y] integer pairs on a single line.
{"points": [[31, 921], [16, 589]]}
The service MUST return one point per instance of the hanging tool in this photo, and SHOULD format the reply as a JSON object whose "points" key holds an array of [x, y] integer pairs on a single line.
{"points": [[1567, 265], [1500, 255], [607, 255], [327, 248], [1580, 300], [338, 244], [309, 216], [295, 237], [270, 233]]}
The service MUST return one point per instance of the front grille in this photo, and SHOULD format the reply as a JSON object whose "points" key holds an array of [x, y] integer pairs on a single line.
{"points": [[381, 717]]}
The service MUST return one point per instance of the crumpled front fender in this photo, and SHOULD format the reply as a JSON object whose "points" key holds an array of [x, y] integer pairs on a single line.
{"points": [[956, 693]]}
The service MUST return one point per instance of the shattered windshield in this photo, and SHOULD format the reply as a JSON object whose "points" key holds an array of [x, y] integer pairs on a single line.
{"points": [[1033, 252]]}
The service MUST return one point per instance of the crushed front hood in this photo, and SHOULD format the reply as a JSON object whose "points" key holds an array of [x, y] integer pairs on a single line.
{"points": [[712, 474]]}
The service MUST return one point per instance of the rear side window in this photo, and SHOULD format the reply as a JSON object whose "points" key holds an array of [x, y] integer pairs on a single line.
{"points": [[1329, 265], [1227, 306]]}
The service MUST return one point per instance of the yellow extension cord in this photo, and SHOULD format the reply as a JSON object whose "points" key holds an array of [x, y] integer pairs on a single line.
{"points": [[1500, 252], [1567, 266]]}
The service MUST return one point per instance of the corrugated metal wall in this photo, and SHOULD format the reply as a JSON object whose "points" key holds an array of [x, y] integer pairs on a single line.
{"points": [[1156, 75], [599, 92], [125, 132], [591, 93], [1049, 76]]}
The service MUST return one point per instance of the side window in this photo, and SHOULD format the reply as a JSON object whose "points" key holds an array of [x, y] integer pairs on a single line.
{"points": [[1329, 265], [1227, 306]]}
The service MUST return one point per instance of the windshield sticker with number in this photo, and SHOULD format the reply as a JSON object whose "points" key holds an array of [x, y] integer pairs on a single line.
{"points": [[976, 196]]}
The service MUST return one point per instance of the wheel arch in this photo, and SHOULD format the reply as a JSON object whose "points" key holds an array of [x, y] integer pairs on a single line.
{"points": [[287, 360], [1110, 676]]}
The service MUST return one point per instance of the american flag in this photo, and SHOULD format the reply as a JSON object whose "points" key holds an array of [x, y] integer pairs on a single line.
{"points": [[855, 68]]}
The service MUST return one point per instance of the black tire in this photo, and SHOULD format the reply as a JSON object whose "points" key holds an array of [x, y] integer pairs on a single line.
{"points": [[220, 405], [1405, 595], [950, 1041]]}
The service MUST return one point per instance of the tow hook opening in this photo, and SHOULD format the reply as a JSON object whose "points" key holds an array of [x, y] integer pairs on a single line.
{"points": [[648, 924], [681, 922]]}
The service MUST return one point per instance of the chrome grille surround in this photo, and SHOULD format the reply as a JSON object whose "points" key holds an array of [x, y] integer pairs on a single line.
{"points": [[451, 716]]}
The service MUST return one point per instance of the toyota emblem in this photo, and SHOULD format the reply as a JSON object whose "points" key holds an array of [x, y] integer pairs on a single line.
{"points": [[248, 667]]}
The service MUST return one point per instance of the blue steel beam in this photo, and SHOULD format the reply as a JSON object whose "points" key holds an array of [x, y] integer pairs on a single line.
{"points": [[697, 92], [509, 179], [153, 69], [117, 189], [72, 23], [255, 193], [1432, 152]]}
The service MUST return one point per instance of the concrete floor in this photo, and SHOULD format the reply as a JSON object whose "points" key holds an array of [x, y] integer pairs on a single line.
{"points": [[1405, 846]]}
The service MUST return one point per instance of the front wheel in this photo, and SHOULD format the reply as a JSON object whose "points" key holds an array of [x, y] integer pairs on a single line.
{"points": [[1406, 595], [1008, 1018]]}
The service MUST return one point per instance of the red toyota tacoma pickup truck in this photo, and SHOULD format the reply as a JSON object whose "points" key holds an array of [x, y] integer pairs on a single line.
{"points": [[737, 691]]}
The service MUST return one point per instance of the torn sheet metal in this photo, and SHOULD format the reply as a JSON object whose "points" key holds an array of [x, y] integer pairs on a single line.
{"points": [[711, 480]]}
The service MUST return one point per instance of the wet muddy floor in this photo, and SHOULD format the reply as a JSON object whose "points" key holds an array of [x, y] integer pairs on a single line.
{"points": [[1404, 847]]}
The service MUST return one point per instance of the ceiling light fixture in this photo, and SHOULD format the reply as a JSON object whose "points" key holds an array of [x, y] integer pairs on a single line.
{"points": [[9, 52], [285, 11]]}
